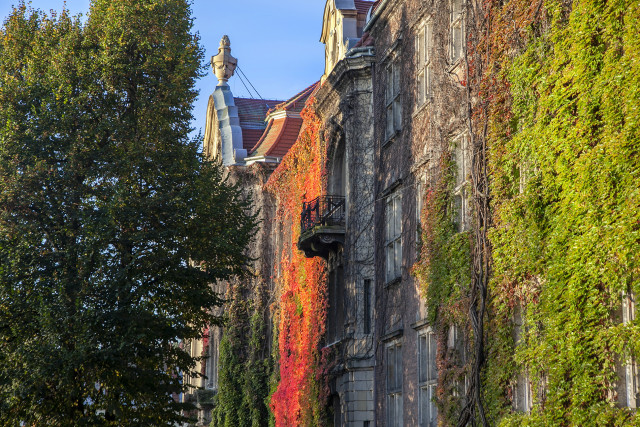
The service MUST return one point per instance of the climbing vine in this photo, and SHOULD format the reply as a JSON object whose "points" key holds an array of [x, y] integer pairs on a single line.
{"points": [[244, 368], [564, 163], [443, 272], [301, 392]]}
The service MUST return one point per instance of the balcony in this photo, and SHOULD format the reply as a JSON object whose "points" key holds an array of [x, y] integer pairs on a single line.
{"points": [[322, 226]]}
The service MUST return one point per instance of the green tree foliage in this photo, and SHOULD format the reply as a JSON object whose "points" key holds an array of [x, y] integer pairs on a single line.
{"points": [[245, 368], [111, 225]]}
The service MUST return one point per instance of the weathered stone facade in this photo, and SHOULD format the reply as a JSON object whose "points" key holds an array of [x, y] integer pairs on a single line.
{"points": [[396, 110], [344, 103]]}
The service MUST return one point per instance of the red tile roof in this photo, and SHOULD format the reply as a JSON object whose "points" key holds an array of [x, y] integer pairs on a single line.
{"points": [[251, 113], [296, 102], [280, 135], [250, 137], [363, 6], [282, 132]]}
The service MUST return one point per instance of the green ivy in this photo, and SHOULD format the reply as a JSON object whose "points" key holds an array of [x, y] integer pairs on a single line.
{"points": [[443, 271], [566, 191]]}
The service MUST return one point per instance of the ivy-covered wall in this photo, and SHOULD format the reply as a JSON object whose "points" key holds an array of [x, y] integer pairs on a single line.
{"points": [[558, 111], [300, 389], [566, 187]]}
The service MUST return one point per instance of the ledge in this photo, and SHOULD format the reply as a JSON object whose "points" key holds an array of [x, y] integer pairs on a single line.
{"points": [[422, 107], [391, 335], [393, 282], [420, 323], [390, 189], [320, 240], [387, 142]]}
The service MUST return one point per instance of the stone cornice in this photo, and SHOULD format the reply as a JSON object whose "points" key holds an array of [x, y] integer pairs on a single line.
{"points": [[344, 72]]}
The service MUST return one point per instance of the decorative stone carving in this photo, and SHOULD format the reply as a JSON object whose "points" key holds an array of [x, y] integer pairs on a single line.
{"points": [[223, 63]]}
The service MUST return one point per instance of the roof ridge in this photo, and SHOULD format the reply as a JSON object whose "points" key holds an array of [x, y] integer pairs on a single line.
{"points": [[294, 98]]}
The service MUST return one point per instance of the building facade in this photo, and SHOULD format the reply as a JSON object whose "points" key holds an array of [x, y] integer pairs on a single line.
{"points": [[397, 117]]}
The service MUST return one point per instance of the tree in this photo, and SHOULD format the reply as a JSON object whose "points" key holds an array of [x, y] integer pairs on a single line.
{"points": [[112, 227]]}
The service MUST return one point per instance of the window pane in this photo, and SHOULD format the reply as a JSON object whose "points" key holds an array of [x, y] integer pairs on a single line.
{"points": [[433, 409], [391, 360], [397, 213], [460, 161], [397, 110], [428, 33], [456, 8], [396, 79], [391, 406], [433, 370], [467, 156], [390, 261], [427, 82], [398, 257], [423, 355], [421, 48], [389, 88], [389, 219], [399, 421], [399, 368], [390, 128], [424, 407], [421, 88], [457, 200], [457, 41]]}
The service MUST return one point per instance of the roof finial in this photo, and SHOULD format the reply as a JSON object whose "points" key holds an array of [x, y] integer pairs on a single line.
{"points": [[223, 63]]}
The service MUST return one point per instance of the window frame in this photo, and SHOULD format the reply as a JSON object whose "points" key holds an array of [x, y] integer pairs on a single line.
{"points": [[211, 366], [463, 164], [424, 69], [393, 99], [456, 21], [393, 236], [367, 289], [631, 371], [394, 385], [427, 382]]}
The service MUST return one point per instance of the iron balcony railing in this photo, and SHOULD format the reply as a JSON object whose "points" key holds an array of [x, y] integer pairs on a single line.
{"points": [[323, 210]]}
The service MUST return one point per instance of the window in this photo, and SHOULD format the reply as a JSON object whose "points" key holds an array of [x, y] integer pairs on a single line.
{"points": [[462, 160], [392, 97], [456, 31], [367, 306], [335, 311], [427, 379], [421, 187], [632, 379], [394, 384], [393, 247], [521, 389], [212, 363], [423, 62]]}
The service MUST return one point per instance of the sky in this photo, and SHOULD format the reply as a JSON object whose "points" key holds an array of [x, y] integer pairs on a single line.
{"points": [[277, 43]]}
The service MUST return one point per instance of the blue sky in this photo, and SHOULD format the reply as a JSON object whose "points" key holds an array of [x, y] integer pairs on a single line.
{"points": [[277, 43]]}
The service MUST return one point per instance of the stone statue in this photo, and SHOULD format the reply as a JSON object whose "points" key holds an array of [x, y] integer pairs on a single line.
{"points": [[223, 63]]}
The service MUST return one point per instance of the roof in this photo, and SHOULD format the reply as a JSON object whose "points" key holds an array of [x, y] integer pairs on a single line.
{"points": [[251, 113], [283, 129], [365, 41], [362, 6], [296, 102]]}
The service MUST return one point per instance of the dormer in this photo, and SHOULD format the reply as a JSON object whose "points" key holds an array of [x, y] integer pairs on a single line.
{"points": [[342, 26]]}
